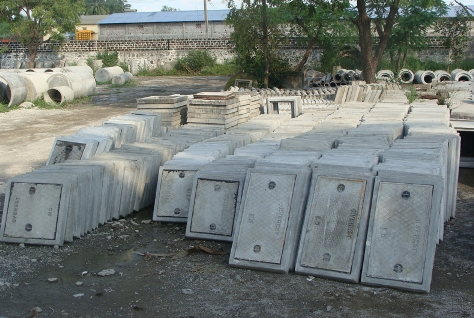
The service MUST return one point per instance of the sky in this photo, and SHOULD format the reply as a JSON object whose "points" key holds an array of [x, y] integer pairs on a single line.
{"points": [[183, 5]]}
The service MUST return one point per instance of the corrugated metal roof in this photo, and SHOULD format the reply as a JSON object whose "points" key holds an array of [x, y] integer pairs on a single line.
{"points": [[165, 16], [92, 19]]}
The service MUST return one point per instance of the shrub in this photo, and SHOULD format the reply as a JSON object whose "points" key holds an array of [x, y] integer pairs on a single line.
{"points": [[194, 62], [108, 59]]}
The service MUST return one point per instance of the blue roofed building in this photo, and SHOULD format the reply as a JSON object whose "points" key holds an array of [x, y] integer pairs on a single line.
{"points": [[164, 25]]}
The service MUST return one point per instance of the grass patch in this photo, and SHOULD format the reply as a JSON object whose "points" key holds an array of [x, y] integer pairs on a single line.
{"points": [[4, 108], [132, 83]]}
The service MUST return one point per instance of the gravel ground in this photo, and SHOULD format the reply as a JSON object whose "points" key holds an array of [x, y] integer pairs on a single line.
{"points": [[157, 272]]}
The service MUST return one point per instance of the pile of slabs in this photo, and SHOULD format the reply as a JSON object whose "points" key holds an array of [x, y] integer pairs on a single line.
{"points": [[173, 108], [219, 108]]}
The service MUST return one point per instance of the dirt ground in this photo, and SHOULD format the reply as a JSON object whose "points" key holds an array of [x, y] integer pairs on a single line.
{"points": [[157, 274]]}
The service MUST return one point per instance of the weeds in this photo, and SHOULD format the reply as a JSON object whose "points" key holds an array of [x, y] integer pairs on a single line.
{"points": [[132, 83], [4, 108], [412, 94]]}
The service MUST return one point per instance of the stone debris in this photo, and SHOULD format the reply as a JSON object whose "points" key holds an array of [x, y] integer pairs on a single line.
{"points": [[106, 272]]}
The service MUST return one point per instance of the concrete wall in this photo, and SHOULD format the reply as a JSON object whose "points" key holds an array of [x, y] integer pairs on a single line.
{"points": [[156, 31]]}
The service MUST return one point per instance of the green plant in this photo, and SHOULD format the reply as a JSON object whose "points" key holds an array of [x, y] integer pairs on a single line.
{"points": [[194, 62], [412, 94], [4, 108], [108, 59], [132, 83], [124, 66]]}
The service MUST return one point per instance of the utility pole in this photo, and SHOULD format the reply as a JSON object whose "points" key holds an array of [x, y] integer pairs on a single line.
{"points": [[205, 19]]}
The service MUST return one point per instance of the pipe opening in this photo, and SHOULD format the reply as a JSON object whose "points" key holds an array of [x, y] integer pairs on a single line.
{"points": [[406, 76], [463, 78], [338, 77], [55, 95], [427, 79], [444, 78]]}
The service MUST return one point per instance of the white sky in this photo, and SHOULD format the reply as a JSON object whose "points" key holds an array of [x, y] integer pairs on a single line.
{"points": [[183, 5]]}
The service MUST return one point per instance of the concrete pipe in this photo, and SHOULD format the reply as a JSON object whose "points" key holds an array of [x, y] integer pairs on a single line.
{"points": [[332, 84], [36, 84], [77, 69], [406, 76], [339, 76], [357, 75], [386, 75], [471, 72], [82, 83], [459, 75], [36, 70], [348, 76], [13, 87], [122, 79], [106, 74], [52, 69], [58, 95], [424, 77], [442, 76]]}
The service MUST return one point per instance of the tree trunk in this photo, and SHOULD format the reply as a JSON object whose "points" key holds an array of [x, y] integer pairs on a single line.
{"points": [[370, 61], [365, 43], [306, 55], [265, 42], [33, 51]]}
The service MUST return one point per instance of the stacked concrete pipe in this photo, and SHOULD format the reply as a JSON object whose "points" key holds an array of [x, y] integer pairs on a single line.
{"points": [[424, 77], [406, 76], [81, 81], [442, 76], [122, 79], [348, 76], [36, 84], [339, 76], [459, 75], [386, 75], [58, 95], [106, 74], [13, 88]]}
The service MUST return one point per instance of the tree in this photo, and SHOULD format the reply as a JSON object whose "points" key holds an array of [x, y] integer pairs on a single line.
{"points": [[259, 29], [103, 7], [322, 24], [410, 30], [32, 21], [167, 8], [455, 33]]}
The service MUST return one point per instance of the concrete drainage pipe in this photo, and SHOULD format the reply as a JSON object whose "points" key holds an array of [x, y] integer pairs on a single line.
{"points": [[459, 75], [406, 76], [36, 84], [58, 95], [386, 75], [339, 76], [424, 77], [358, 75], [13, 88], [82, 83], [106, 74], [348, 76], [122, 78], [442, 76], [77, 69]]}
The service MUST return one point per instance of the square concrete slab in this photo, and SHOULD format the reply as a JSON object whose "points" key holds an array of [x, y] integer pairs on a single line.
{"points": [[402, 233]]}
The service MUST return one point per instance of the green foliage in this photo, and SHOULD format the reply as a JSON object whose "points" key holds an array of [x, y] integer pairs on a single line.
{"points": [[102, 7], [227, 68], [108, 59], [168, 8], [224, 69], [31, 21], [456, 34], [124, 66], [409, 33], [132, 83], [4, 107], [412, 94], [194, 62]]}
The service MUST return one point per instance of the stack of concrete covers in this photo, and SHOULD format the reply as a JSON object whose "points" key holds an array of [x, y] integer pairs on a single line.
{"points": [[219, 108], [358, 93], [173, 108], [143, 125]]}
